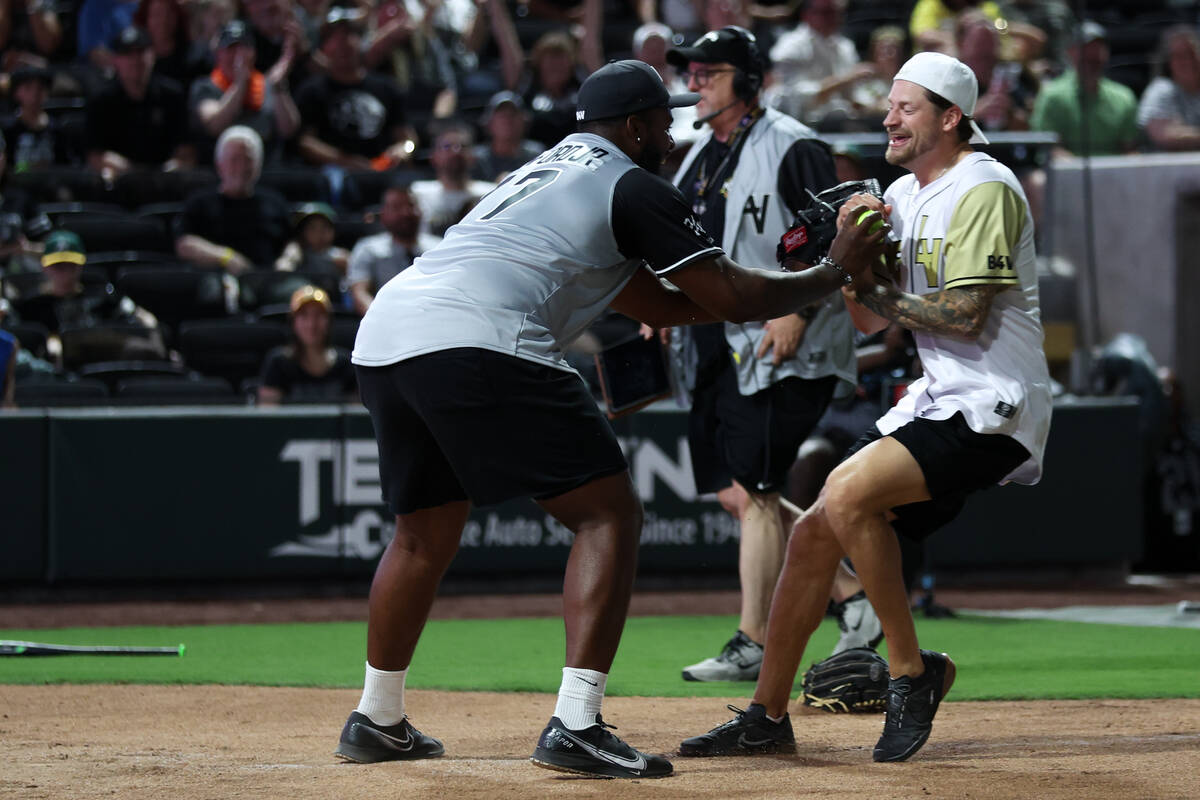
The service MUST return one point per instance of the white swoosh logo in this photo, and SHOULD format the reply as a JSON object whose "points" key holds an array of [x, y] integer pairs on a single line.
{"points": [[637, 763], [400, 744]]}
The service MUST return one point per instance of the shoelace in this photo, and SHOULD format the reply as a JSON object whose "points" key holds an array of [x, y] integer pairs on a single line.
{"points": [[733, 722], [898, 694]]}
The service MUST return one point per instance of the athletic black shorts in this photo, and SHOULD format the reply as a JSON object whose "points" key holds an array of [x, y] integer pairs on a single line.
{"points": [[956, 461], [752, 439], [473, 424]]}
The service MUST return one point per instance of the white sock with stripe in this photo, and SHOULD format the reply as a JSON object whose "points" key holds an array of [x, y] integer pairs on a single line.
{"points": [[579, 697], [383, 696]]}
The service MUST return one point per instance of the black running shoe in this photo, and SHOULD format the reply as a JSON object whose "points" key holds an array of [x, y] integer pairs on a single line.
{"points": [[365, 742], [749, 733], [911, 704], [596, 752]]}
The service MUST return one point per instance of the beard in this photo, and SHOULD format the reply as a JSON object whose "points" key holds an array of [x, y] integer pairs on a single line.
{"points": [[652, 158]]}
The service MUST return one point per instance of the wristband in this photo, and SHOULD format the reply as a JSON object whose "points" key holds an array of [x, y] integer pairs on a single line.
{"points": [[829, 262], [226, 256]]}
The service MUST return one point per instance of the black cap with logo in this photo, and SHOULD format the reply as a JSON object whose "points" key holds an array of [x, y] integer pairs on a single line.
{"points": [[621, 88], [729, 45]]}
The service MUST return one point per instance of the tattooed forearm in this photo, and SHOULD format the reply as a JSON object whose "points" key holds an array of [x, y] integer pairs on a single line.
{"points": [[955, 312]]}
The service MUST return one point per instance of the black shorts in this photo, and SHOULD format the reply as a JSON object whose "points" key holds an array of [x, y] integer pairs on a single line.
{"points": [[955, 460], [752, 439], [473, 424]]}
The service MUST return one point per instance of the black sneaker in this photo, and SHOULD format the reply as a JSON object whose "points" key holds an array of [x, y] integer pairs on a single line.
{"points": [[749, 733], [365, 742], [911, 704], [596, 752]]}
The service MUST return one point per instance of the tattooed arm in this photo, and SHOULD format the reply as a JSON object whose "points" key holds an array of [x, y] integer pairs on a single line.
{"points": [[958, 312]]}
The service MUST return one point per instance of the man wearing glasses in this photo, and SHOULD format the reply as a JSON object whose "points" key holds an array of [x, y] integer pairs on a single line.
{"points": [[758, 388]]}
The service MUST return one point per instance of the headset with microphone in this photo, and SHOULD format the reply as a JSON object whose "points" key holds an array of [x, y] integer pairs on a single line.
{"points": [[746, 81]]}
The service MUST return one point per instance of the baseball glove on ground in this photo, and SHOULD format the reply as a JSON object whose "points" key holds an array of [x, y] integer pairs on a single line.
{"points": [[808, 240], [853, 681]]}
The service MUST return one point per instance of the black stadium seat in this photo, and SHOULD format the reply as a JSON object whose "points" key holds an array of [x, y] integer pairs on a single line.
{"points": [[232, 349], [111, 372], [298, 184], [59, 392], [174, 293], [263, 287], [190, 389]]}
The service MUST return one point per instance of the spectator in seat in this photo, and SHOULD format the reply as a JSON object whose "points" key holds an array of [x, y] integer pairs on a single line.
{"points": [[309, 369], [1006, 89], [237, 226], [931, 23], [139, 119], [31, 33], [1111, 124], [63, 301], [235, 93], [165, 21], [814, 67], [312, 250], [100, 21], [350, 117], [401, 47], [505, 121], [277, 28], [377, 259], [446, 198], [35, 139], [1169, 111]]}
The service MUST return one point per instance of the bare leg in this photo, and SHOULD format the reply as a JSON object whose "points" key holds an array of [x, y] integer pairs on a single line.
{"points": [[407, 579], [797, 606], [760, 559], [606, 517], [858, 495]]}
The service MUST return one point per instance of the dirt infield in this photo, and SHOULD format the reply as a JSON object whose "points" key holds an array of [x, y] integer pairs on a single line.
{"points": [[217, 742], [189, 743]]}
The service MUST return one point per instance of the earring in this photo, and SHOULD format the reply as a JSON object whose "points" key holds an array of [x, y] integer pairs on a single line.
{"points": [[638, 139]]}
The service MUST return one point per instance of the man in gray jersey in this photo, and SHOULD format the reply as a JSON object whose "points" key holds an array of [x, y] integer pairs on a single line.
{"points": [[460, 362]]}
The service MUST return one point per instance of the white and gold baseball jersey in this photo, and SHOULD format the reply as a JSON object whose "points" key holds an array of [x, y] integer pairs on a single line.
{"points": [[972, 226]]}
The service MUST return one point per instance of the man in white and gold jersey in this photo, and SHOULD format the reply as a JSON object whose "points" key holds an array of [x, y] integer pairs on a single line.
{"points": [[966, 285]]}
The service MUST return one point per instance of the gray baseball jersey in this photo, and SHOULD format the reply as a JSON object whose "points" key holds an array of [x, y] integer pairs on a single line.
{"points": [[536, 260]]}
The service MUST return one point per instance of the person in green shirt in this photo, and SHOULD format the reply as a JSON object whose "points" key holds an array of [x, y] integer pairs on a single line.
{"points": [[1091, 114]]}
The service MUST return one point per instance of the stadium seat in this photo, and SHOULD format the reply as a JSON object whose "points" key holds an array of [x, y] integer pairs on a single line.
{"points": [[143, 187], [111, 372], [32, 336], [175, 293], [347, 232], [61, 184], [262, 287], [190, 389], [297, 184], [363, 189], [60, 392], [112, 341], [113, 261], [122, 231], [232, 349], [342, 330]]}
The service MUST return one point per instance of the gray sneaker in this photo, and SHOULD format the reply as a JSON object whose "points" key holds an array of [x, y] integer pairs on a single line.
{"points": [[858, 623], [739, 660]]}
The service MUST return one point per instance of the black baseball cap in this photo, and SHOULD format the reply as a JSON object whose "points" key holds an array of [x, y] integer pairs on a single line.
{"points": [[621, 88], [729, 45], [235, 32], [24, 74], [130, 40]]}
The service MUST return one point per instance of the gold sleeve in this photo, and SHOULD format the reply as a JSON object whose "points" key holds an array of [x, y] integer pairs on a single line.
{"points": [[982, 237]]}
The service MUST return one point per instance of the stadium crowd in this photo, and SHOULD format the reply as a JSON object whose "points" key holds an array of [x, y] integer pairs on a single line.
{"points": [[182, 180]]}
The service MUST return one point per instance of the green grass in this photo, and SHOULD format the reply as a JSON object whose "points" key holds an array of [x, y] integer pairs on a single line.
{"points": [[997, 658]]}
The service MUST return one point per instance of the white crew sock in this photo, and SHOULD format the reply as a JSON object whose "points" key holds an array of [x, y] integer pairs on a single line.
{"points": [[383, 696], [579, 697]]}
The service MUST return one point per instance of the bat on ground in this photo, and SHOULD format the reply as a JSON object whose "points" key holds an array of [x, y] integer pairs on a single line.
{"points": [[10, 647]]}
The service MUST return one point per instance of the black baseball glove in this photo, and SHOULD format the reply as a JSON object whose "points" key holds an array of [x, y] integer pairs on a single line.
{"points": [[808, 240], [853, 681]]}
